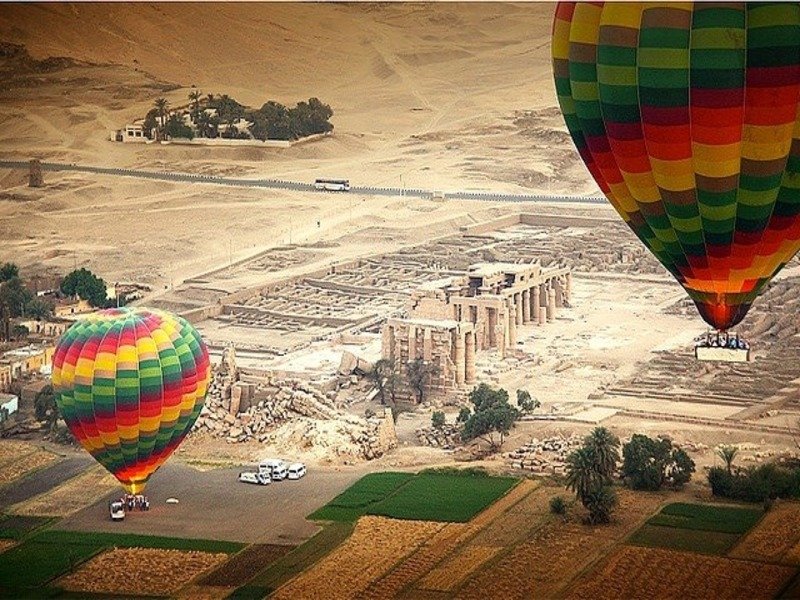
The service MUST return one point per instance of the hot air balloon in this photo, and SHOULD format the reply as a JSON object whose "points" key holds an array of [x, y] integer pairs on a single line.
{"points": [[130, 383], [686, 115]]}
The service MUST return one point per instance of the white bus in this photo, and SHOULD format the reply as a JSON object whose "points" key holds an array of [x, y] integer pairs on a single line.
{"points": [[332, 185]]}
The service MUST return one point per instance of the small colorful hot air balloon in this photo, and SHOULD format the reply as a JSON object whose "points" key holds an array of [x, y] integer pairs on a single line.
{"points": [[130, 383], [686, 115]]}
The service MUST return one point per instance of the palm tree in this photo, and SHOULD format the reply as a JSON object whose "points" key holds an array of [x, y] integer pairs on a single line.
{"points": [[727, 454], [600, 502], [194, 96], [162, 105], [605, 446], [582, 473]]}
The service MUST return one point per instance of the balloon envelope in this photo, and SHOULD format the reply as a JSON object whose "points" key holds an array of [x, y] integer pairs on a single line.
{"points": [[686, 115], [130, 383]]}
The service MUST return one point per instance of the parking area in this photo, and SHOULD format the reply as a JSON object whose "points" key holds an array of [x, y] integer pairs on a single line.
{"points": [[215, 505]]}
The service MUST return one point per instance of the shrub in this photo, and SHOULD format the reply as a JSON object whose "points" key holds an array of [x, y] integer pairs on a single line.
{"points": [[558, 506], [437, 419], [600, 501]]}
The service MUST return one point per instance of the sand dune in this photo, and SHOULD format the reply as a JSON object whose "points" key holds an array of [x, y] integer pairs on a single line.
{"points": [[439, 96]]}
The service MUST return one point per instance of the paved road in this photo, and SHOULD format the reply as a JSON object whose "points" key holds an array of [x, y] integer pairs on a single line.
{"points": [[43, 480], [299, 186]]}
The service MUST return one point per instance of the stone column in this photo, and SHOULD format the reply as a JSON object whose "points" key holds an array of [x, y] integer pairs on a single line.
{"points": [[512, 324], [427, 344], [460, 357], [551, 304], [526, 307], [412, 343], [518, 307], [492, 326], [469, 359], [559, 287], [569, 287], [535, 300]]}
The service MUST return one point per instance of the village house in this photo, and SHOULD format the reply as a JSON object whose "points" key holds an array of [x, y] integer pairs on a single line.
{"points": [[69, 309], [28, 360], [50, 329], [5, 377]]}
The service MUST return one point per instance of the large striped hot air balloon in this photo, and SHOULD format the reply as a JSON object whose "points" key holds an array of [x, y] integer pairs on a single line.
{"points": [[686, 115], [130, 383]]}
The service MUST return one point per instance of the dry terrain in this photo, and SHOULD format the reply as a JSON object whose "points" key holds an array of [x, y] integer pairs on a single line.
{"points": [[140, 571], [435, 96], [70, 497], [20, 458]]}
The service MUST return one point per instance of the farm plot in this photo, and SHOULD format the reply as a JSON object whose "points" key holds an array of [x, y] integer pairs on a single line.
{"points": [[417, 563], [15, 527], [449, 575], [450, 497], [244, 566], [356, 500], [656, 573], [18, 459], [555, 551], [435, 497], [444, 542], [375, 546], [517, 522], [140, 571], [776, 537], [32, 565], [705, 528], [70, 497]]}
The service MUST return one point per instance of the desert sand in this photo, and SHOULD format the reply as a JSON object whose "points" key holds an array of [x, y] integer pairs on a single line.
{"points": [[441, 96]]}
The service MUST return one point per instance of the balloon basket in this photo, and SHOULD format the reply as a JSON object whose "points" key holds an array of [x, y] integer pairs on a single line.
{"points": [[722, 347]]}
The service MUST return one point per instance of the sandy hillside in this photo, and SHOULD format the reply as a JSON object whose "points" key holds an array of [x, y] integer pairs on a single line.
{"points": [[440, 96]]}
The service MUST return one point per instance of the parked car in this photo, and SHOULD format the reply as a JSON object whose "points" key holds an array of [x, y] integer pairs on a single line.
{"points": [[296, 471], [258, 478], [117, 510], [275, 468]]}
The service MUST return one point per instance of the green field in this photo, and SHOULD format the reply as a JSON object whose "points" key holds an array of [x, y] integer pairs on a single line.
{"points": [[131, 540], [707, 517], [427, 496], [703, 528], [355, 500], [16, 527], [32, 564], [686, 540]]}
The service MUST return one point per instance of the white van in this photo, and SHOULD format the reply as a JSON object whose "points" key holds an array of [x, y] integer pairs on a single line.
{"points": [[259, 478], [117, 510], [296, 470], [275, 468]]}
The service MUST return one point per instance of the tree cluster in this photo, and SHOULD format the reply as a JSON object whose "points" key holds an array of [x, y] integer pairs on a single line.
{"points": [[650, 464], [755, 484], [86, 285], [590, 473], [16, 301], [273, 121]]}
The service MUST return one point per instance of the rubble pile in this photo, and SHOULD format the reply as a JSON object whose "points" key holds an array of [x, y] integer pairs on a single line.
{"points": [[288, 412], [547, 456], [447, 437], [346, 440]]}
